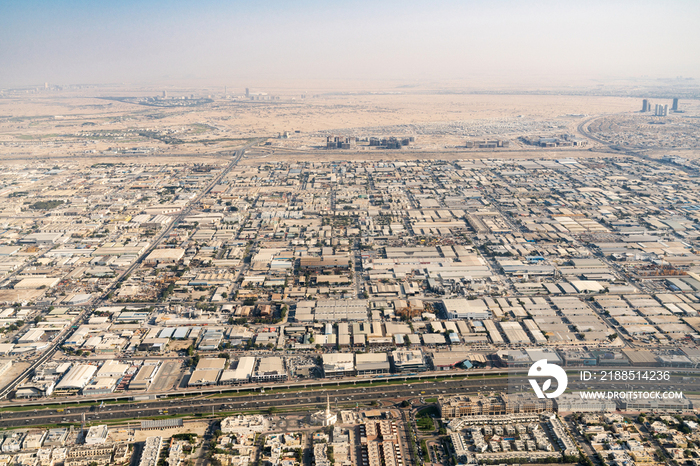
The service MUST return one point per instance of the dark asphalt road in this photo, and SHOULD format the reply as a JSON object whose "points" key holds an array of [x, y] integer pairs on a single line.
{"points": [[192, 406]]}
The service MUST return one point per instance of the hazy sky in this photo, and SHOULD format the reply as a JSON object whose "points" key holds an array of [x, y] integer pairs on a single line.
{"points": [[110, 41]]}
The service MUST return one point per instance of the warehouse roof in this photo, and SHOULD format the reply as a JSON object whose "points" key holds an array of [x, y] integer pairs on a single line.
{"points": [[271, 364], [36, 282], [77, 377], [170, 254], [204, 377], [244, 369], [338, 361], [210, 364], [112, 368]]}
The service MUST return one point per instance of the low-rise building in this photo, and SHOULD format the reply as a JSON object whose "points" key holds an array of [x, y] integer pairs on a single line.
{"points": [[96, 435], [482, 405], [151, 451], [372, 363], [244, 424], [409, 361], [338, 364]]}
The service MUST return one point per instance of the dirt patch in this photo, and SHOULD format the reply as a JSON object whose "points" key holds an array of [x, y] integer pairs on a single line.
{"points": [[13, 372]]}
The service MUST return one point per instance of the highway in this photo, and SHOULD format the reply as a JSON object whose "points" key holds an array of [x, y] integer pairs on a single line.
{"points": [[258, 401], [241, 390], [582, 128], [326, 384], [347, 396]]}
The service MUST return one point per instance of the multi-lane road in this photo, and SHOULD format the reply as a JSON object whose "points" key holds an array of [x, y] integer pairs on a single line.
{"points": [[347, 396], [311, 399]]}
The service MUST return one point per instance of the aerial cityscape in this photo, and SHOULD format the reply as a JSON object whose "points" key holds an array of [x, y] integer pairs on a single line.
{"points": [[329, 269]]}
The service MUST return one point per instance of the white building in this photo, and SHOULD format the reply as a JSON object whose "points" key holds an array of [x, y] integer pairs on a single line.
{"points": [[151, 451], [338, 364], [96, 435], [112, 368], [165, 256], [244, 424], [461, 308], [77, 377], [572, 402], [325, 418], [32, 335], [242, 372]]}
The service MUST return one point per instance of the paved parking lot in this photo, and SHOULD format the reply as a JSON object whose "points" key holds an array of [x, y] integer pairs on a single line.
{"points": [[168, 376]]}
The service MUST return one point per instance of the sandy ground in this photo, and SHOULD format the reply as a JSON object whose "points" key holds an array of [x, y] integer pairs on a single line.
{"points": [[123, 434], [255, 159], [14, 296], [215, 159], [88, 126], [59, 124], [177, 345], [13, 372]]}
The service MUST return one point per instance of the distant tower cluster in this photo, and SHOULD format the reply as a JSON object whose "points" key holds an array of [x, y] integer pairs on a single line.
{"points": [[661, 110], [391, 142], [646, 106], [487, 144], [339, 142]]}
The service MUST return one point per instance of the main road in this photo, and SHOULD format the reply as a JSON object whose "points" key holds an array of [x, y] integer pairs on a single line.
{"points": [[312, 398], [253, 402]]}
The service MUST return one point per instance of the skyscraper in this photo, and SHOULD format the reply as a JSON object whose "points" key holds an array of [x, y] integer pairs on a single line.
{"points": [[645, 105], [247, 92], [661, 110], [675, 104]]}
